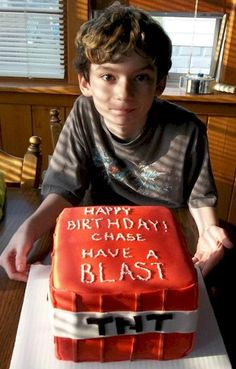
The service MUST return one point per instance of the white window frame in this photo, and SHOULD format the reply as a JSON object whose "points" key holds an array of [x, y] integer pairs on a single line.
{"points": [[173, 78]]}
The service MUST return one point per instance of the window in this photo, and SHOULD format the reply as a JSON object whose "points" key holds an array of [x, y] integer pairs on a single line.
{"points": [[31, 38], [194, 40]]}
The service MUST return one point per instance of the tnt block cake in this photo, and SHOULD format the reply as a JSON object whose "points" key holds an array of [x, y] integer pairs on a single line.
{"points": [[122, 285]]}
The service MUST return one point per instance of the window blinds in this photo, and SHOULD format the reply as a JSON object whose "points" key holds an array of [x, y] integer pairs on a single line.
{"points": [[32, 38]]}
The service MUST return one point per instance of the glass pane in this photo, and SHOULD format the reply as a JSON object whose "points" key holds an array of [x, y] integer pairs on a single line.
{"points": [[193, 42]]}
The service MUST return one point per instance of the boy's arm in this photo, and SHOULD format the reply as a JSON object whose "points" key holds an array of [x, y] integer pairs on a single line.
{"points": [[14, 257], [212, 239]]}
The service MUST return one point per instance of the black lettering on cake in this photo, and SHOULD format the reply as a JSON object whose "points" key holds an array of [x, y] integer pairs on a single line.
{"points": [[122, 323], [101, 323], [159, 318], [125, 324]]}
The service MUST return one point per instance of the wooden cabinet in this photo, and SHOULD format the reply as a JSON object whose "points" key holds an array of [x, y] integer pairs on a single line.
{"points": [[15, 128], [222, 142], [25, 112], [232, 209]]}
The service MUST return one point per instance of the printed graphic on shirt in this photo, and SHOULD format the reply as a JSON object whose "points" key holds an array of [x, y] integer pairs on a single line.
{"points": [[144, 179]]}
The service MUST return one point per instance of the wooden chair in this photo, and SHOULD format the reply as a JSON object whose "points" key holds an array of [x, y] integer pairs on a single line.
{"points": [[55, 126], [23, 172]]}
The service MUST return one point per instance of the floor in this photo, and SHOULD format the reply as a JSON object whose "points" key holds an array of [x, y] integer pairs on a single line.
{"points": [[221, 285]]}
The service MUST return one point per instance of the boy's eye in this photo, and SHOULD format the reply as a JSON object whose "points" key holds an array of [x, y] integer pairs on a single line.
{"points": [[107, 77], [142, 77]]}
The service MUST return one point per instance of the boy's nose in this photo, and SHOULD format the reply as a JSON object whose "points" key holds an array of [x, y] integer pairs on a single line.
{"points": [[125, 88]]}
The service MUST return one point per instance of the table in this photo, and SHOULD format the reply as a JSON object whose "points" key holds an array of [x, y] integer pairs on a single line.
{"points": [[19, 205]]}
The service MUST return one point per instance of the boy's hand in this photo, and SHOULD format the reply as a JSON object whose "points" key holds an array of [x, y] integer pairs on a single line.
{"points": [[210, 248], [14, 258]]}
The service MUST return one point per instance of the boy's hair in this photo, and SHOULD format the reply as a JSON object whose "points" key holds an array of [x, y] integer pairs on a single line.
{"points": [[115, 32]]}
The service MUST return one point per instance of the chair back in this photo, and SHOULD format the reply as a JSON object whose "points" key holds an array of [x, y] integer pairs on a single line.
{"points": [[55, 126], [24, 172]]}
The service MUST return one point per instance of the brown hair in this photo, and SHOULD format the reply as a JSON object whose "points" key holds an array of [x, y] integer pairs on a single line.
{"points": [[118, 30]]}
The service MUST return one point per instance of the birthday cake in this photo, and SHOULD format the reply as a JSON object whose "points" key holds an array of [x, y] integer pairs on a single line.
{"points": [[122, 285]]}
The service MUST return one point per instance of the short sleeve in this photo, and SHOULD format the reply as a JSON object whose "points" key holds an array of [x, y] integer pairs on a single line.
{"points": [[203, 189]]}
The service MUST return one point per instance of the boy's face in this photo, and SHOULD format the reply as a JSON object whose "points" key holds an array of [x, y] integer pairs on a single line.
{"points": [[122, 92]]}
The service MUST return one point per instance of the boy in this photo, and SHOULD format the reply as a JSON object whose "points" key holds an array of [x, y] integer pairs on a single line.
{"points": [[122, 143]]}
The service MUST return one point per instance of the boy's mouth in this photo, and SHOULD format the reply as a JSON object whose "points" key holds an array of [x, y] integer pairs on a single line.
{"points": [[123, 110]]}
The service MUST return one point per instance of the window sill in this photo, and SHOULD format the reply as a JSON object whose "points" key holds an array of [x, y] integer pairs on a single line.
{"points": [[175, 93], [36, 88]]}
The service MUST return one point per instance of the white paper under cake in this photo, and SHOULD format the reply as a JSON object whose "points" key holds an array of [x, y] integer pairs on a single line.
{"points": [[34, 341]]}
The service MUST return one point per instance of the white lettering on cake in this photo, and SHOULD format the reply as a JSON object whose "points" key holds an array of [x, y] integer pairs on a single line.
{"points": [[113, 253], [138, 270], [154, 223], [85, 272], [118, 209], [89, 274], [159, 269], [126, 253], [87, 253], [96, 237], [120, 237], [124, 270], [100, 252], [139, 237], [111, 223], [142, 223], [99, 210], [165, 226], [85, 224], [140, 265], [106, 210], [71, 224], [97, 222], [128, 223], [107, 236], [152, 253], [101, 274], [147, 224]]}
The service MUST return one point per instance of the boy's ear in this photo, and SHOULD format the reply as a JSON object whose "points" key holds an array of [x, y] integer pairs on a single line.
{"points": [[161, 86], [84, 86]]}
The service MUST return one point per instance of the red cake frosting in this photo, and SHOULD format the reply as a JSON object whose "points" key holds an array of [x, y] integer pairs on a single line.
{"points": [[122, 285]]}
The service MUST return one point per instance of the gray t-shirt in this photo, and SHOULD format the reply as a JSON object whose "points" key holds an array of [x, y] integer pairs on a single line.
{"points": [[167, 164]]}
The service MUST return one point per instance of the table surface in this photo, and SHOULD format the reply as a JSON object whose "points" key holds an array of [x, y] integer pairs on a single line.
{"points": [[19, 205]]}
